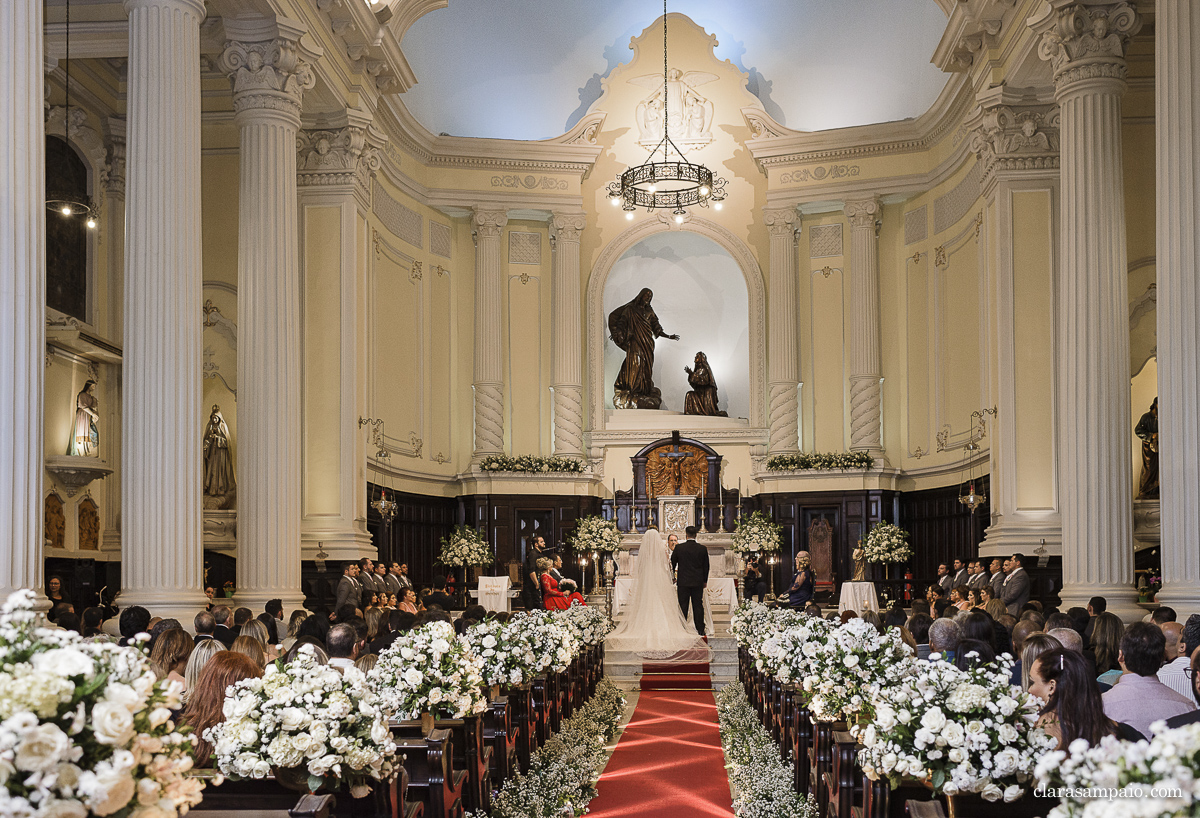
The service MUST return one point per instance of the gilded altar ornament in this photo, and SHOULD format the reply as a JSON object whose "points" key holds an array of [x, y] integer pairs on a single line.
{"points": [[702, 399], [85, 437], [1147, 431], [219, 483], [634, 328]]}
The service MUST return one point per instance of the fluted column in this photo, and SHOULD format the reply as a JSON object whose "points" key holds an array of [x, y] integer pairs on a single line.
{"points": [[783, 355], [114, 233], [22, 294], [161, 427], [269, 77], [566, 375], [489, 363], [1177, 117], [865, 368], [1085, 45]]}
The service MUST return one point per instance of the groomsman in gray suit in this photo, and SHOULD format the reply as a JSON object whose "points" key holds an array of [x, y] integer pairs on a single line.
{"points": [[997, 578], [348, 589], [977, 578], [1015, 591]]}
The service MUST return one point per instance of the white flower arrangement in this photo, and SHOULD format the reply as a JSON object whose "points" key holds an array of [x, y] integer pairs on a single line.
{"points": [[762, 781], [790, 654], [307, 716], [851, 665], [562, 774], [755, 533], [531, 464], [967, 731], [84, 727], [465, 546], [505, 657], [809, 461], [429, 670], [589, 624], [752, 622], [887, 543], [595, 534], [552, 643], [1145, 772]]}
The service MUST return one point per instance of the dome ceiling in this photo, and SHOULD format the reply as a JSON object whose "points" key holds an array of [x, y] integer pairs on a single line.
{"points": [[529, 69]]}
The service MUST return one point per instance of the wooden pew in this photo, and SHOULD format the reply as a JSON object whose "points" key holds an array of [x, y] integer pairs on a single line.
{"points": [[523, 722], [469, 752], [543, 703], [433, 780], [500, 731], [843, 782], [821, 762], [266, 796], [802, 730]]}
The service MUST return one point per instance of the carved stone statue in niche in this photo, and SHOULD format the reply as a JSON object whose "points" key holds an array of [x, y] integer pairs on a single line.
{"points": [[55, 522], [220, 486], [1147, 430], [89, 525], [702, 399], [85, 438], [634, 328]]}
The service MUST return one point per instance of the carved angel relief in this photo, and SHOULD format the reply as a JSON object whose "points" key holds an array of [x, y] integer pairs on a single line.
{"points": [[675, 471], [688, 114]]}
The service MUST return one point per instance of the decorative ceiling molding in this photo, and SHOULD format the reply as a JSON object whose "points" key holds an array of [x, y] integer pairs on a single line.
{"points": [[370, 45], [974, 27]]}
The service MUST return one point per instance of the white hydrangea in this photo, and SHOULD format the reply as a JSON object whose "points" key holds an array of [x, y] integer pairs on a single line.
{"points": [[429, 670]]}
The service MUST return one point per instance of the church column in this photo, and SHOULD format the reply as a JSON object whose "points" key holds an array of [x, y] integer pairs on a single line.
{"points": [[865, 369], [162, 552], [114, 233], [22, 295], [1177, 114], [488, 383], [269, 76], [335, 165], [566, 375], [1085, 44], [1016, 140], [783, 363]]}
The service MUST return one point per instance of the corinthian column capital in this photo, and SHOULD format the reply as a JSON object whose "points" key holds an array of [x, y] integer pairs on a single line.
{"points": [[780, 222], [488, 223], [270, 74], [862, 213], [1085, 41], [339, 156], [1015, 137], [568, 226]]}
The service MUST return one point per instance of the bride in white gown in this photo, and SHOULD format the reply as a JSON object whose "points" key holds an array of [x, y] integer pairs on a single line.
{"points": [[653, 626]]}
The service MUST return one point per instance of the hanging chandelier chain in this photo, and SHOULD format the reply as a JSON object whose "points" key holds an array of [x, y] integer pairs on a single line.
{"points": [[67, 84], [666, 107]]}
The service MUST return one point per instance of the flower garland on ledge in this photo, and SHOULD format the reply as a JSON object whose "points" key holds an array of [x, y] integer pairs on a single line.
{"points": [[562, 775], [761, 781], [531, 464], [813, 461]]}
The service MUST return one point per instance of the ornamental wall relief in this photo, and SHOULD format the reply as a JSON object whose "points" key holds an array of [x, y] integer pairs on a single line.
{"points": [[688, 113]]}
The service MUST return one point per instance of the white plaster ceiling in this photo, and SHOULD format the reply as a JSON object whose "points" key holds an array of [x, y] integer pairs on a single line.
{"points": [[529, 69]]}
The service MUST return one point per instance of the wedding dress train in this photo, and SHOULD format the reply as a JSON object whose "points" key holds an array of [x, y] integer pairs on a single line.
{"points": [[653, 626]]}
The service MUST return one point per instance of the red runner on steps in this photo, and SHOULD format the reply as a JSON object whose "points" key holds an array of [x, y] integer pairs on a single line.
{"points": [[668, 763]]}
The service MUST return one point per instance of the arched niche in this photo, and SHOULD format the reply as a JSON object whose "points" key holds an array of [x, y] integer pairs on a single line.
{"points": [[599, 386]]}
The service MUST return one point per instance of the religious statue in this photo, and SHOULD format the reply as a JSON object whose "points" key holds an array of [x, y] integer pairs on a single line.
{"points": [[702, 399], [860, 564], [1147, 430], [85, 439], [634, 328], [689, 115], [219, 483]]}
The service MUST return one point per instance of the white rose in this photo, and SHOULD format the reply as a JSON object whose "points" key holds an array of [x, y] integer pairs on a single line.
{"points": [[956, 755], [1006, 762], [1007, 733], [112, 723], [954, 734], [293, 718], [42, 749], [1012, 793], [60, 809], [933, 719], [107, 791], [64, 662], [413, 677], [992, 792]]}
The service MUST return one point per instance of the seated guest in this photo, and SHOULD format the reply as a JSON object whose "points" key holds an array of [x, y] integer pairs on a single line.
{"points": [[974, 598], [552, 598], [1107, 630], [367, 663], [409, 602], [944, 636], [293, 629], [873, 618], [933, 593], [846, 616], [241, 616], [987, 594], [1162, 615], [404, 620], [918, 626], [972, 653], [920, 606], [255, 629], [204, 625], [271, 616], [813, 609], [251, 647], [431, 615], [1058, 620], [91, 622], [134, 620], [310, 646], [1174, 674], [1069, 638], [1034, 616], [1194, 716], [1034, 646], [1008, 621], [342, 646], [1081, 620], [169, 656], [1096, 606], [223, 633], [206, 705], [376, 620], [894, 617], [438, 595], [1021, 631], [1139, 698], [800, 592], [960, 597], [979, 626], [943, 608], [1073, 708], [202, 653]]}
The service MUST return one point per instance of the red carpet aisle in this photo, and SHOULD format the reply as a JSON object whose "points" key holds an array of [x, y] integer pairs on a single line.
{"points": [[668, 763]]}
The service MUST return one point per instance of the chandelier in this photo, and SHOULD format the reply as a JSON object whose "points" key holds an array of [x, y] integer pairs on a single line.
{"points": [[673, 182], [61, 202]]}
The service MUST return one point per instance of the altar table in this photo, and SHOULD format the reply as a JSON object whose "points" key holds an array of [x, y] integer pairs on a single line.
{"points": [[858, 597]]}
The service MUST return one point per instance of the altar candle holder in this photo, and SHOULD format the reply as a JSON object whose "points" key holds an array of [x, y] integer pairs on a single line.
{"points": [[721, 507]]}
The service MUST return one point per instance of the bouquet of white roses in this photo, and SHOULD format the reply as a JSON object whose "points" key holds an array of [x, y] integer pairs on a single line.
{"points": [[968, 731], [589, 623], [429, 670], [506, 658], [465, 546], [84, 727], [1159, 778], [851, 665], [309, 717], [755, 533], [595, 534], [752, 622], [887, 543], [789, 654], [551, 642]]}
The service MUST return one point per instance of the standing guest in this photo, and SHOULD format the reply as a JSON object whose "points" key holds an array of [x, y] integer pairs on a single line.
{"points": [[1096, 606], [169, 656], [753, 583], [801, 590], [1138, 698], [531, 594], [204, 625], [918, 626], [134, 620], [1073, 707], [959, 575], [349, 592], [1015, 591], [997, 578], [223, 633], [1174, 674], [56, 592], [201, 655], [392, 579], [251, 647], [981, 577], [438, 595], [400, 572], [206, 704], [945, 579], [366, 582], [409, 603], [381, 579], [1106, 648], [293, 629], [342, 645]]}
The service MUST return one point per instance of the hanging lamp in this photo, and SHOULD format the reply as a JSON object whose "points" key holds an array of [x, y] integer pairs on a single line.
{"points": [[62, 202]]}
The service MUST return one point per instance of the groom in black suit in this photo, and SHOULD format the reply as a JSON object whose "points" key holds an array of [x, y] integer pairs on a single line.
{"points": [[690, 563]]}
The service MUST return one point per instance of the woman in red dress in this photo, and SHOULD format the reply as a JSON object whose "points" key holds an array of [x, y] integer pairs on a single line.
{"points": [[552, 598]]}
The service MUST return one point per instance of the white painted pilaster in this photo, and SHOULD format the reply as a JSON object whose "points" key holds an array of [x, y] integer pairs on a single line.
{"points": [[566, 372], [488, 224], [864, 350], [783, 362]]}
